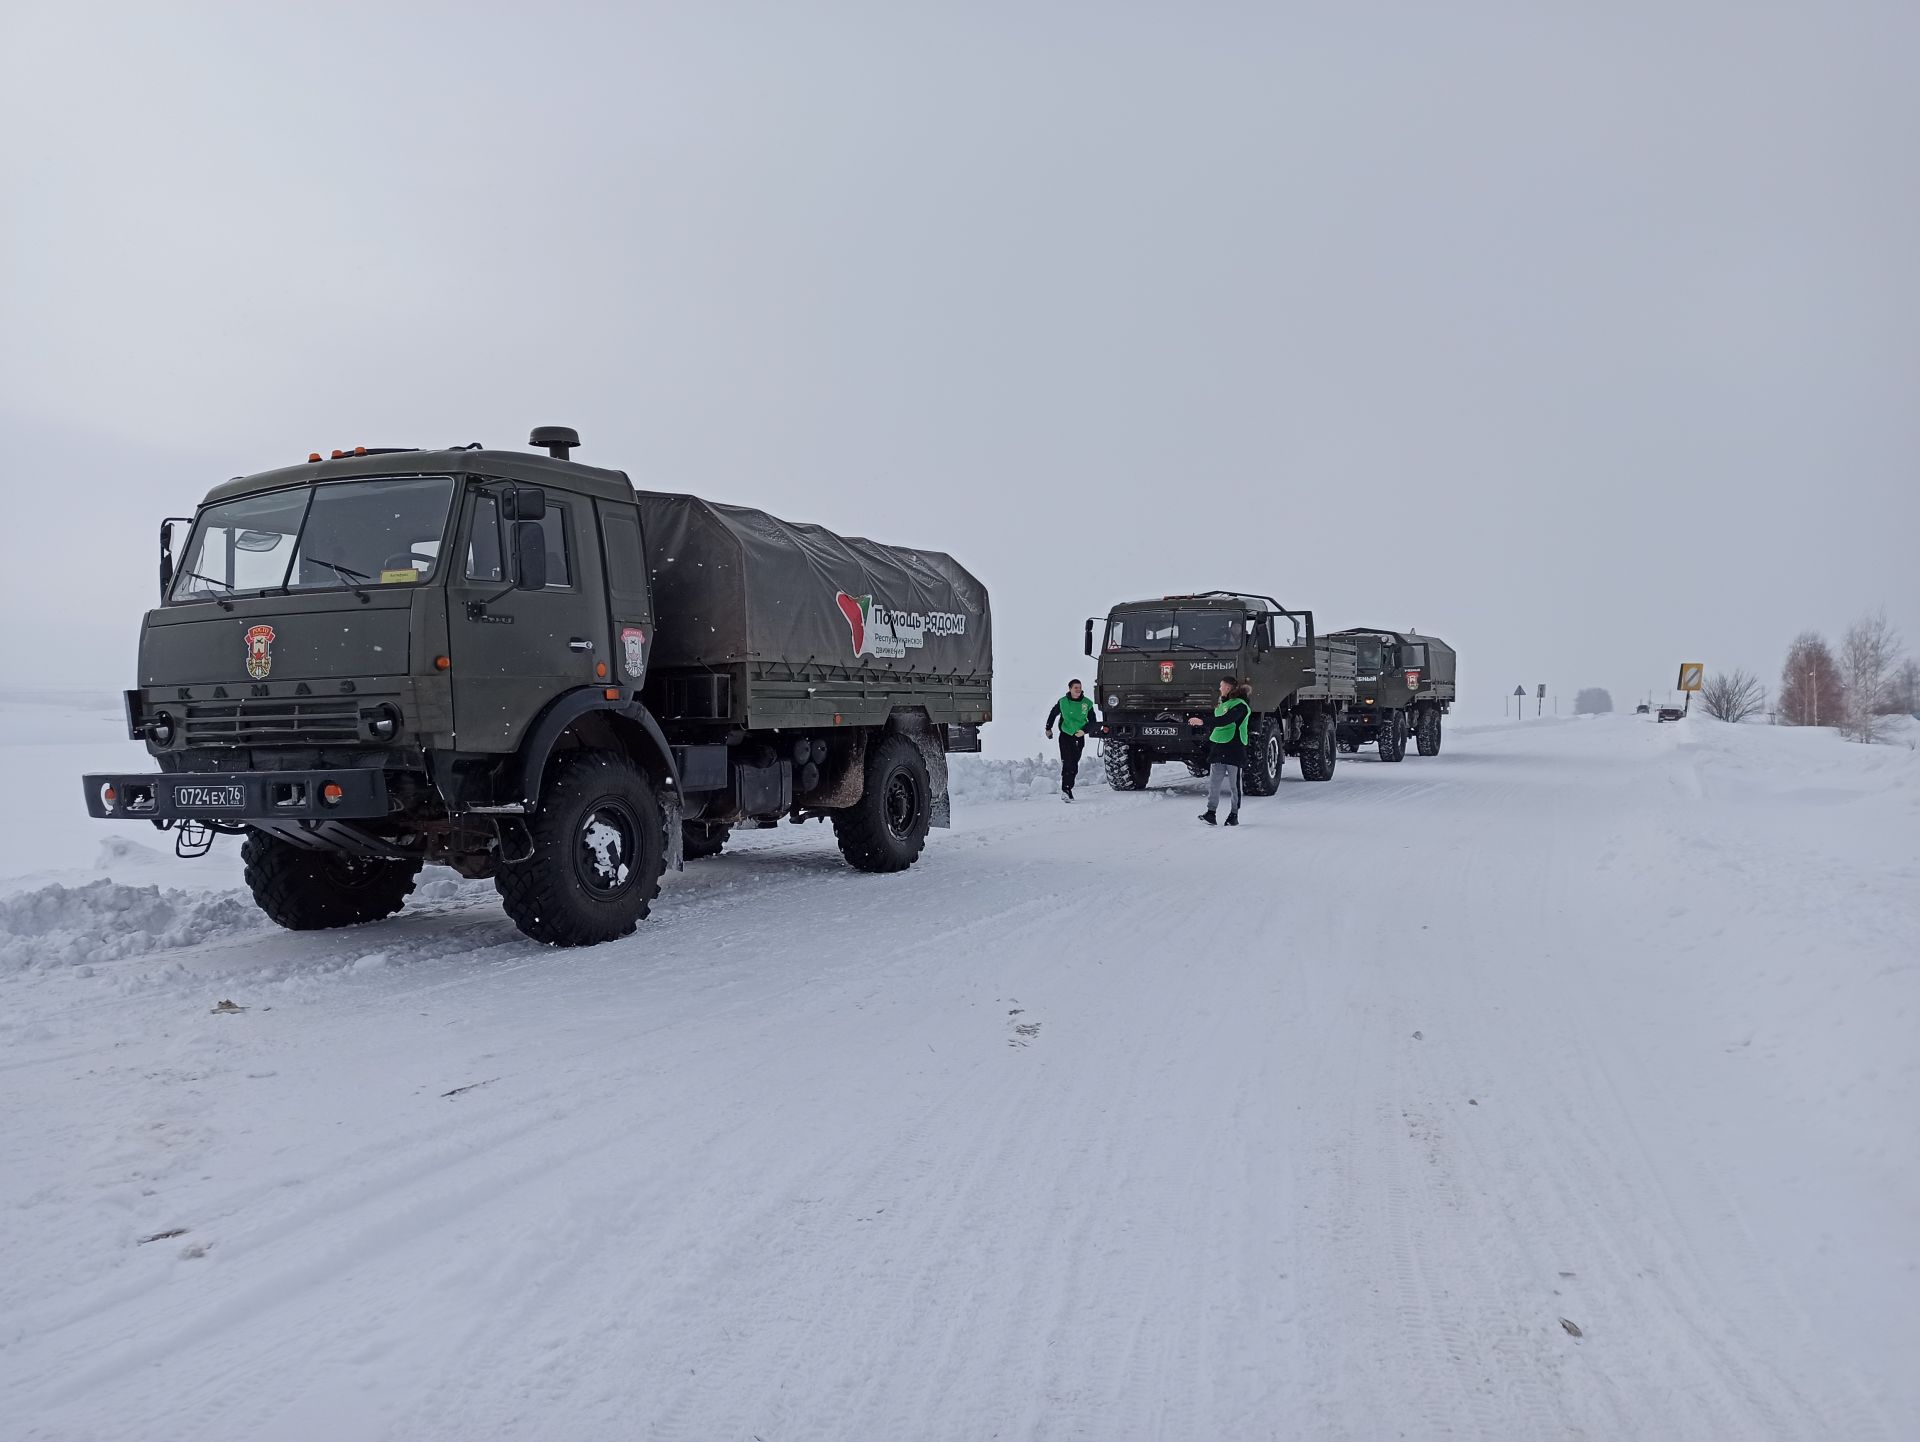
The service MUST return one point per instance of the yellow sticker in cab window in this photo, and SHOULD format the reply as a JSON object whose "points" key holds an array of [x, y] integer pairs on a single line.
{"points": [[400, 577]]}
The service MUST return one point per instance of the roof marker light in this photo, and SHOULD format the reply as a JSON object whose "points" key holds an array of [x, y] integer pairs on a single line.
{"points": [[312, 456]]}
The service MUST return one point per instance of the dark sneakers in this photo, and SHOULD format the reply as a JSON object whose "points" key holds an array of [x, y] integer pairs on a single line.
{"points": [[1233, 818], [1207, 816]]}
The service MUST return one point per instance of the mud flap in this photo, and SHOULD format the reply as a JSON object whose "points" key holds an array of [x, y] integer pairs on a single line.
{"points": [[671, 814], [935, 755], [848, 786]]}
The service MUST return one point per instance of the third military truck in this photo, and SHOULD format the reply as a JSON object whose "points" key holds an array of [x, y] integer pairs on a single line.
{"points": [[1405, 684], [523, 668], [1161, 662]]}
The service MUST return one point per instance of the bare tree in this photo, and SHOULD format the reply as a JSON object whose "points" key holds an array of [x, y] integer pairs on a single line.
{"points": [[1592, 701], [1867, 656], [1809, 684], [1733, 695], [1903, 696]]}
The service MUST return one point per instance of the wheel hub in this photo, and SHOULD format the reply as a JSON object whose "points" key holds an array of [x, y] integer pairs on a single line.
{"points": [[604, 852], [901, 804]]}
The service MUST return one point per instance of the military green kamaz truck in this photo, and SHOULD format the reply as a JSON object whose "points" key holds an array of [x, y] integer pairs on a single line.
{"points": [[523, 668], [1160, 662], [1405, 682]]}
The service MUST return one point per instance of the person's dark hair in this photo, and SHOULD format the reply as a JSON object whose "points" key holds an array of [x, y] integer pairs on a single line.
{"points": [[1074, 682], [1229, 683]]}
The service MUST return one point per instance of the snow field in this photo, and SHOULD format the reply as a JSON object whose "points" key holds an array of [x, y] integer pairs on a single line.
{"points": [[1095, 1124]]}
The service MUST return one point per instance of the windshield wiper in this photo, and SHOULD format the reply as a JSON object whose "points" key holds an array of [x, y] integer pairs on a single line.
{"points": [[186, 571], [352, 577], [339, 570]]}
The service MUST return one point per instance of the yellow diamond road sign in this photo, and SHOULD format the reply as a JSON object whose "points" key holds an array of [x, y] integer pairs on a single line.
{"points": [[1690, 674]]}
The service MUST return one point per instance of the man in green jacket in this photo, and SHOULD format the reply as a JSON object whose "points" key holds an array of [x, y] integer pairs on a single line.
{"points": [[1226, 748], [1074, 712]]}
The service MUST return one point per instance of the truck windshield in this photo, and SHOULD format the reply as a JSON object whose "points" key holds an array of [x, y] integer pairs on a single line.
{"points": [[316, 538], [1368, 652], [1176, 630]]}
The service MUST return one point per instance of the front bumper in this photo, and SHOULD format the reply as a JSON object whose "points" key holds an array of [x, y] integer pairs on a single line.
{"points": [[1168, 733], [237, 796]]}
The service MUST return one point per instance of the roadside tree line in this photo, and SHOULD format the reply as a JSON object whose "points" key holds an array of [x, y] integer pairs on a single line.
{"points": [[1855, 689]]}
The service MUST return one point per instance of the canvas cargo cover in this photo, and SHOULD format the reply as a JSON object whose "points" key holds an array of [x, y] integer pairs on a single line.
{"points": [[1439, 658], [732, 585]]}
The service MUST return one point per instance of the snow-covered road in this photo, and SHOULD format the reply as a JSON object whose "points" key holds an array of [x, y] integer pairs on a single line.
{"points": [[1097, 1124]]}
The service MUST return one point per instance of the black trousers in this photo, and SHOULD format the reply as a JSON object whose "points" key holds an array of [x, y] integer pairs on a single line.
{"points": [[1070, 749]]}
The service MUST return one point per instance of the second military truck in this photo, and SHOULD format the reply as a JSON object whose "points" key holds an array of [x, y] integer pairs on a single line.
{"points": [[1405, 681], [520, 667], [1161, 662]]}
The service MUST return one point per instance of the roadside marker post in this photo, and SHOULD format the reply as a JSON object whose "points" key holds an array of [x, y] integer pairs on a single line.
{"points": [[1692, 678], [1519, 697]]}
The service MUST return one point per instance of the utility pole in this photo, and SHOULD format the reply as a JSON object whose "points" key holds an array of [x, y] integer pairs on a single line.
{"points": [[1816, 698]]}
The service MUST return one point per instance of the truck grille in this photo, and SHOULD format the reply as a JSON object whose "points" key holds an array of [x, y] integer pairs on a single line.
{"points": [[334, 721], [1168, 700]]}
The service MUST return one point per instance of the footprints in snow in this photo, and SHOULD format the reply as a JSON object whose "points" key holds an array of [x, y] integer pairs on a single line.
{"points": [[1023, 1031]]}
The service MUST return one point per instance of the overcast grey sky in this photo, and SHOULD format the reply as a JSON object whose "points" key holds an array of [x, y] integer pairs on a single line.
{"points": [[1587, 337]]}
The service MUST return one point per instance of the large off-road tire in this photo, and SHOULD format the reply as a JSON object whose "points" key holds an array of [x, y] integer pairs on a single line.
{"points": [[1127, 768], [886, 829], [699, 839], [1426, 731], [1393, 736], [313, 890], [1319, 752], [599, 849], [1266, 756]]}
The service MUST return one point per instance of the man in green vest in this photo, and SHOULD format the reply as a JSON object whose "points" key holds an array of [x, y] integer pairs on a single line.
{"points": [[1074, 712], [1226, 748]]}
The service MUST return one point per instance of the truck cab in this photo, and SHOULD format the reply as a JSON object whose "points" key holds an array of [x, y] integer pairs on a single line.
{"points": [[1160, 663]]}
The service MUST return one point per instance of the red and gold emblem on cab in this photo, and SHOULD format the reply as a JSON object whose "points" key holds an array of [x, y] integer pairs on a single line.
{"points": [[1413, 680], [259, 640], [1166, 670]]}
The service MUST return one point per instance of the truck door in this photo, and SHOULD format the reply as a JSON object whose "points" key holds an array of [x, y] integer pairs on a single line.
{"points": [[514, 651], [1285, 663]]}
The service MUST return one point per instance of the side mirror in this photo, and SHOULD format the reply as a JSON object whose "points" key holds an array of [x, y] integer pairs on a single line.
{"points": [[166, 553], [524, 503], [530, 555], [1089, 635]]}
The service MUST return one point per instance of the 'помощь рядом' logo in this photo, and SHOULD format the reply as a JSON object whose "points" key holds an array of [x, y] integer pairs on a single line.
{"points": [[878, 631]]}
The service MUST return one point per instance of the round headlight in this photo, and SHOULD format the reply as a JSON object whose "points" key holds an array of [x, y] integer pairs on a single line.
{"points": [[1113, 700], [160, 729], [384, 723]]}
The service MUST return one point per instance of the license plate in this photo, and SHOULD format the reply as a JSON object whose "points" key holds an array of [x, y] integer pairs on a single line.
{"points": [[1159, 730], [210, 798]]}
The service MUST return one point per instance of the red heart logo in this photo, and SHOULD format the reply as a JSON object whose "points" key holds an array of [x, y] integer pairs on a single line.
{"points": [[850, 608]]}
